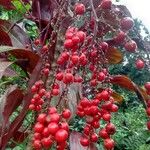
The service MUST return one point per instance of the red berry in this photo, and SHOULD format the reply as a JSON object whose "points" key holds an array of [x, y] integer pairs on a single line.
{"points": [[37, 136], [46, 71], [38, 127], [84, 141], [109, 144], [94, 137], [84, 102], [68, 43], [139, 64], [147, 86], [66, 114], [41, 118], [148, 111], [79, 9], [42, 92], [114, 108], [65, 126], [53, 127], [104, 46], [46, 132], [44, 48], [103, 134], [47, 142], [81, 36], [52, 110], [68, 78], [32, 107], [106, 4], [127, 23], [75, 59], [101, 76], [105, 95], [61, 135], [130, 46], [93, 82], [106, 117], [34, 89], [110, 128], [120, 37], [75, 40], [37, 144], [55, 92], [55, 117], [37, 42], [69, 35]]}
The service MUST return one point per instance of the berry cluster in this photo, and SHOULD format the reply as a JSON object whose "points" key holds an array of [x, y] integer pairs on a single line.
{"points": [[51, 128], [100, 108]]}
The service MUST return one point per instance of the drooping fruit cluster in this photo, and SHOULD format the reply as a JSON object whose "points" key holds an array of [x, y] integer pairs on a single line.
{"points": [[95, 110], [51, 128]]}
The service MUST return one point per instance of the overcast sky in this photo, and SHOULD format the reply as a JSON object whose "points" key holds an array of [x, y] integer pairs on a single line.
{"points": [[139, 9]]}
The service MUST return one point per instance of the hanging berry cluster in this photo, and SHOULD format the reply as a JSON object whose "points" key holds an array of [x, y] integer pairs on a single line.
{"points": [[82, 61]]}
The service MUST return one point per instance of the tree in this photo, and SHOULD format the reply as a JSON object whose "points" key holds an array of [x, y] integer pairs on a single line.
{"points": [[67, 68]]}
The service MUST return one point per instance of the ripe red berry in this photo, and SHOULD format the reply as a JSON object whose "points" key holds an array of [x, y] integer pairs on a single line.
{"points": [[79, 9], [147, 86], [127, 23], [106, 4], [93, 82], [75, 40], [110, 128], [148, 111], [55, 92], [53, 127], [61, 135], [101, 76], [75, 59], [52, 110], [68, 78], [68, 43], [38, 127], [44, 49], [66, 114], [84, 141], [32, 107], [34, 89], [41, 118], [46, 71], [103, 134], [37, 42], [105, 95], [120, 37], [37, 136], [47, 142], [109, 144], [55, 117], [68, 35], [104, 46], [46, 132], [65, 126], [130, 46], [42, 92], [106, 117], [139, 64], [59, 76], [94, 137], [37, 144], [81, 36], [114, 108]]}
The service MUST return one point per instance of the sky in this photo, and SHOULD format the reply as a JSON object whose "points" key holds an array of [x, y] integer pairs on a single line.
{"points": [[139, 9]]}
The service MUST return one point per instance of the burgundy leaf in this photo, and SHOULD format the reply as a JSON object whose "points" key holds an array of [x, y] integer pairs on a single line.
{"points": [[15, 125], [4, 38], [7, 4], [18, 36], [74, 141], [3, 66]]}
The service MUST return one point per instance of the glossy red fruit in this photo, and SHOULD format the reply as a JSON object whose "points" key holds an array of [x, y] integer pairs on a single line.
{"points": [[148, 103], [34, 89], [147, 86], [32, 107], [148, 125], [37, 136], [75, 40], [66, 114], [109, 144], [47, 142], [139, 64], [93, 82], [52, 110], [105, 95], [120, 37], [55, 117], [106, 117], [46, 132], [79, 9], [55, 92], [37, 144], [38, 127], [106, 4], [127, 23], [131, 46], [148, 111], [104, 46], [44, 48], [42, 92], [81, 35], [84, 141], [53, 127], [84, 102], [94, 137], [61, 135], [103, 134], [46, 71], [110, 128], [75, 59], [37, 42], [68, 35], [101, 76], [114, 108], [68, 43], [59, 76], [41, 118], [65, 126], [68, 78]]}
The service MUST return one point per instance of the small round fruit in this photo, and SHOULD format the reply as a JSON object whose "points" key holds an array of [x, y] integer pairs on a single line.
{"points": [[38, 127], [106, 4], [148, 125], [94, 137], [127, 23], [53, 128], [68, 43], [147, 86], [131, 46], [110, 128], [47, 142], [106, 117], [79, 9], [37, 144], [66, 114], [139, 64], [109, 144], [103, 134], [148, 111], [61, 135], [84, 141], [41, 118]]}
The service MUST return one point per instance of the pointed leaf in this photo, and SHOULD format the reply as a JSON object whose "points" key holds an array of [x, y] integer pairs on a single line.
{"points": [[123, 81], [114, 56]]}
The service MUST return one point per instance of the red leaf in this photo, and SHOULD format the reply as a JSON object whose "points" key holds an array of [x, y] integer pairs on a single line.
{"points": [[3, 66], [7, 4], [30, 57], [4, 38], [74, 141], [18, 36], [123, 81], [114, 55]]}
